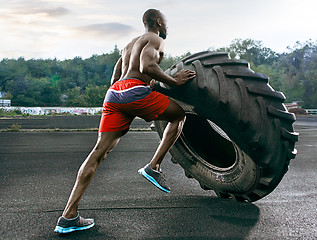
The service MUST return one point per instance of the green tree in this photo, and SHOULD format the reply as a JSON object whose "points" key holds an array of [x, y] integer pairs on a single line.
{"points": [[75, 98], [250, 50], [95, 95], [300, 73]]}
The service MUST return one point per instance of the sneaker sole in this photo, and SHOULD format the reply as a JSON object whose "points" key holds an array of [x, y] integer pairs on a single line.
{"points": [[152, 180], [59, 229]]}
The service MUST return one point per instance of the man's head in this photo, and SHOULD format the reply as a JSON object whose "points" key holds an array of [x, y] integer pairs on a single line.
{"points": [[154, 20]]}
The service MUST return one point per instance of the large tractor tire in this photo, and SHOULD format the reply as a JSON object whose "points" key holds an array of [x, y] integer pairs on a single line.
{"points": [[238, 137]]}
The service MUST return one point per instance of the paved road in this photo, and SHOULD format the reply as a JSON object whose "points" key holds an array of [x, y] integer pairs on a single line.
{"points": [[37, 171]]}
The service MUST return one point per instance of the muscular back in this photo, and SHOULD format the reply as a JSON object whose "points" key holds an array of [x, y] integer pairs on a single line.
{"points": [[140, 53]]}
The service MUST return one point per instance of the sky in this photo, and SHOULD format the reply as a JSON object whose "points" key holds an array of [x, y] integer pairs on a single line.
{"points": [[64, 29]]}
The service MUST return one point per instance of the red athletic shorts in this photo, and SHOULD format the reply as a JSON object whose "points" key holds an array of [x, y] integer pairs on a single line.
{"points": [[128, 98]]}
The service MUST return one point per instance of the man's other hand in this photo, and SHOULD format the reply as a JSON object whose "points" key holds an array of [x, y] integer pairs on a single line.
{"points": [[152, 84]]}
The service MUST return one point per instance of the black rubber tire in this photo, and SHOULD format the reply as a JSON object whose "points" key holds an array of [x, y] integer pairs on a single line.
{"points": [[238, 137]]}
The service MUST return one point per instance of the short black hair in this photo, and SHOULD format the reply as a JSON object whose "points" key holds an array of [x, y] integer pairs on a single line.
{"points": [[150, 17]]}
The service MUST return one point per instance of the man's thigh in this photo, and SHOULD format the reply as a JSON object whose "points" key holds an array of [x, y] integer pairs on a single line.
{"points": [[148, 108], [172, 113]]}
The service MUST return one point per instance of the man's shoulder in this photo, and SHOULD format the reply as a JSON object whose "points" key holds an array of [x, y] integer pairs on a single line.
{"points": [[152, 36], [154, 40], [149, 36]]}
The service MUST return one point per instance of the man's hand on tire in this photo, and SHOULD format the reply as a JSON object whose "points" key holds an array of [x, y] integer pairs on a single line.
{"points": [[183, 76]]}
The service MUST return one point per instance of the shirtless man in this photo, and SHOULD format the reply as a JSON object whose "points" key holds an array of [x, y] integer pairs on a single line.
{"points": [[131, 95]]}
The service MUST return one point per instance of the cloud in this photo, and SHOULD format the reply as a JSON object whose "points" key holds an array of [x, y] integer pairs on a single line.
{"points": [[106, 18], [53, 12], [29, 15], [107, 30], [48, 11]]}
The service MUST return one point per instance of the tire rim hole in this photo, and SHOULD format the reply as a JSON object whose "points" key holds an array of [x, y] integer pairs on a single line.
{"points": [[208, 141]]}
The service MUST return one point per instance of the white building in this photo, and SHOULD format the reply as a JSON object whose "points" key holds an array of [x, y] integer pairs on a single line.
{"points": [[5, 103]]}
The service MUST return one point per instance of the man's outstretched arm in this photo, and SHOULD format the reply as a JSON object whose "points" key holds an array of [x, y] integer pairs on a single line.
{"points": [[150, 67], [116, 75]]}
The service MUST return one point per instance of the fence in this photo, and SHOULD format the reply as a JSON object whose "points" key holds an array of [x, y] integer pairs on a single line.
{"points": [[311, 111], [54, 110]]}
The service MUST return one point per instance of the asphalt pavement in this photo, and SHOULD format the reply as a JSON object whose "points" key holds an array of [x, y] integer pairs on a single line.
{"points": [[38, 169]]}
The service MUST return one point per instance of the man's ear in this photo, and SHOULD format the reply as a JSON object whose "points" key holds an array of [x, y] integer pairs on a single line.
{"points": [[159, 22]]}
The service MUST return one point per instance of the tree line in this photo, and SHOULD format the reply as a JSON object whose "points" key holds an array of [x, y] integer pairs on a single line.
{"points": [[84, 82]]}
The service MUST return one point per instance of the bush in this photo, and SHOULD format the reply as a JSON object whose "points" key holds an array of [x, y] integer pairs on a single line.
{"points": [[10, 113]]}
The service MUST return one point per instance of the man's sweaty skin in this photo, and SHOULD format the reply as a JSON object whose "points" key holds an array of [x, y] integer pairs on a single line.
{"points": [[140, 59]]}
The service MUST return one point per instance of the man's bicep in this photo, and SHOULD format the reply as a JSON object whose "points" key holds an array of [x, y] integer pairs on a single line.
{"points": [[147, 56]]}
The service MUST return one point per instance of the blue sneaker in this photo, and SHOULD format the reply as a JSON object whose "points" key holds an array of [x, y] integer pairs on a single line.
{"points": [[78, 223], [155, 177]]}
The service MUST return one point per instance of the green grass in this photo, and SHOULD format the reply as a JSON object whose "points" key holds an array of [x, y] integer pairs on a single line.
{"points": [[10, 113]]}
